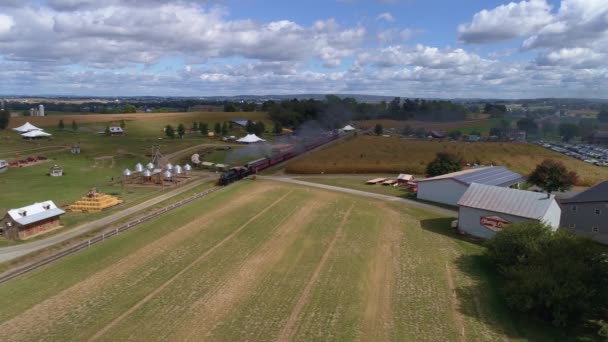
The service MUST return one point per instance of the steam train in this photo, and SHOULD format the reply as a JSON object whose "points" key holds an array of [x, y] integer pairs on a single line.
{"points": [[239, 172]]}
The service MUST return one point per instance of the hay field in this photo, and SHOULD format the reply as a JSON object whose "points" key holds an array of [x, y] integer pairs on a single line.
{"points": [[370, 154], [263, 261], [161, 119], [482, 125]]}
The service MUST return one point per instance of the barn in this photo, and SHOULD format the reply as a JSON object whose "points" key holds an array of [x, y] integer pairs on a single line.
{"points": [[485, 210], [35, 219], [448, 188]]}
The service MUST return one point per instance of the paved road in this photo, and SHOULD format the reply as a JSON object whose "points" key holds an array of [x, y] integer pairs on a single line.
{"points": [[13, 252], [430, 207]]}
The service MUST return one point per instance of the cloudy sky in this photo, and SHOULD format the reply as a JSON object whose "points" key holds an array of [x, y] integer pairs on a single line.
{"points": [[408, 48]]}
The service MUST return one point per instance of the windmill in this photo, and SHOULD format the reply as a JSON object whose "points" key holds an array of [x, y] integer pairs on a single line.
{"points": [[157, 157]]}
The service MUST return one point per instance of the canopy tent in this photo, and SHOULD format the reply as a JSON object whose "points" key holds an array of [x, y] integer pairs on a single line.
{"points": [[250, 138], [348, 128], [27, 127], [35, 134]]}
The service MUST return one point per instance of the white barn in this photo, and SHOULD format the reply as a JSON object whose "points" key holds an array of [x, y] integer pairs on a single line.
{"points": [[485, 209], [448, 188]]}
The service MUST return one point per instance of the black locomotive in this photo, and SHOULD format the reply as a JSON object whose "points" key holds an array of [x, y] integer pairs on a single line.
{"points": [[239, 172]]}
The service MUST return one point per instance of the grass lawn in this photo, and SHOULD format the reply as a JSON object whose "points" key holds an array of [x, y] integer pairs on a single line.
{"points": [[371, 154], [264, 261]]}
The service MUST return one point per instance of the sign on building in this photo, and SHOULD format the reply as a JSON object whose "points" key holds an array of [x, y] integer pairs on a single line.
{"points": [[495, 223]]}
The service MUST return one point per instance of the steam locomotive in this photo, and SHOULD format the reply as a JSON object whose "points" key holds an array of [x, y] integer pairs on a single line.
{"points": [[239, 172]]}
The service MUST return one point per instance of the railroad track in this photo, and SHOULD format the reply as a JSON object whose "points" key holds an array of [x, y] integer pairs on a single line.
{"points": [[6, 276]]}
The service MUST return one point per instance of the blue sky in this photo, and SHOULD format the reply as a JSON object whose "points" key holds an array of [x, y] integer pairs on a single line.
{"points": [[408, 48]]}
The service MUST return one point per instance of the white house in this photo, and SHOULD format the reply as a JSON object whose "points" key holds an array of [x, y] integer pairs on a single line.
{"points": [[485, 209], [448, 188]]}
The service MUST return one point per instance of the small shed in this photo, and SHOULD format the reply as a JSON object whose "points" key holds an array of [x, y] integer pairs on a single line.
{"points": [[55, 171], [485, 210], [35, 219], [75, 149], [116, 130], [404, 179]]}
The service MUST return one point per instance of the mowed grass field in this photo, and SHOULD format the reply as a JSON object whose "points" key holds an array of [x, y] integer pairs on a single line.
{"points": [[371, 154], [263, 261]]}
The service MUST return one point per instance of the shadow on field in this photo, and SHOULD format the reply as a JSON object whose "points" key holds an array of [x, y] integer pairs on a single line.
{"points": [[443, 226]]}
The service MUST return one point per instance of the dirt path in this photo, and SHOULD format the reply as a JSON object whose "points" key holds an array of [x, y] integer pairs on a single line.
{"points": [[80, 295], [455, 305], [210, 311], [290, 327], [378, 315], [184, 270]]}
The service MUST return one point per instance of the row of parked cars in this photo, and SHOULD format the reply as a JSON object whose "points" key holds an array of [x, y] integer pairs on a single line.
{"points": [[592, 154]]}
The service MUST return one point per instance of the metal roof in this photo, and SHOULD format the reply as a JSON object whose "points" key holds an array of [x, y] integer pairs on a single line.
{"points": [[492, 175], [596, 193], [35, 212], [528, 204]]}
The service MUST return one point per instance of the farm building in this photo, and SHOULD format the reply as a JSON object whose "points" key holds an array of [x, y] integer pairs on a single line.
{"points": [[448, 188], [55, 171], [239, 121], [586, 214], [486, 209], [404, 179], [116, 130], [35, 219]]}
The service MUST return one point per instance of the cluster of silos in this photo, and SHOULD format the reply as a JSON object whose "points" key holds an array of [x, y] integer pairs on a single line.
{"points": [[150, 174]]}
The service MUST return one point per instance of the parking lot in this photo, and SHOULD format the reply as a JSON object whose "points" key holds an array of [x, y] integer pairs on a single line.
{"points": [[589, 153]]}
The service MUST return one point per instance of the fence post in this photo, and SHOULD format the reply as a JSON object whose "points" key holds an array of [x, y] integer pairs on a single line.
{"points": [[89, 243]]}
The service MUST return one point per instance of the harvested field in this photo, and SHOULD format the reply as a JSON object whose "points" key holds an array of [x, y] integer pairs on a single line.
{"points": [[370, 154], [264, 261]]}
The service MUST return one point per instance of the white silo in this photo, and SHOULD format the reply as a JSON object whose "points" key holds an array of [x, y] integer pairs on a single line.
{"points": [[41, 110]]}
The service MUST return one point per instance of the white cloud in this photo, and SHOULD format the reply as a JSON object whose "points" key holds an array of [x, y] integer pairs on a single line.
{"points": [[506, 22], [386, 16]]}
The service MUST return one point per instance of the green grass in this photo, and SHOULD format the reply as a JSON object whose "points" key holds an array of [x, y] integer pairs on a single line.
{"points": [[248, 287]]}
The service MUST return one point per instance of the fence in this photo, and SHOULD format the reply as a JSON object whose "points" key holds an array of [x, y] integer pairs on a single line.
{"points": [[101, 237]]}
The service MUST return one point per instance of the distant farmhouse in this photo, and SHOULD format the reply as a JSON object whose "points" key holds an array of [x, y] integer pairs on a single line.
{"points": [[448, 188], [239, 121], [586, 214], [485, 210], [26, 222]]}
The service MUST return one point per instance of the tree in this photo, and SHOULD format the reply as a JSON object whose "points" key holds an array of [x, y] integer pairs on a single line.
{"points": [[556, 276], [225, 128], [204, 128], [194, 126], [229, 107], [277, 128], [586, 127], [181, 130], [551, 175], [129, 108], [250, 126], [107, 131], [527, 125], [217, 128], [123, 124], [548, 128], [260, 128], [5, 117], [603, 115], [454, 134], [61, 125], [443, 163], [74, 126], [378, 129], [170, 131], [568, 131]]}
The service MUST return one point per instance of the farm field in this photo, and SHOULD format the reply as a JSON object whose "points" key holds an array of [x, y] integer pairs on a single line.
{"points": [[466, 127], [283, 263], [371, 154]]}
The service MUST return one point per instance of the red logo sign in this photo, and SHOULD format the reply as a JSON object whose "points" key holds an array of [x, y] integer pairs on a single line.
{"points": [[494, 223]]}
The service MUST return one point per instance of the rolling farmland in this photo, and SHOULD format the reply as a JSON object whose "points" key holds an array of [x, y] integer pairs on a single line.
{"points": [[370, 154], [265, 261]]}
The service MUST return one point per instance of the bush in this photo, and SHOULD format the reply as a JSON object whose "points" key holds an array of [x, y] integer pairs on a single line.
{"points": [[443, 163]]}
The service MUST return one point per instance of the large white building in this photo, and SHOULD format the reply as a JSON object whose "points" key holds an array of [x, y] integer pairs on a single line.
{"points": [[485, 209], [448, 188]]}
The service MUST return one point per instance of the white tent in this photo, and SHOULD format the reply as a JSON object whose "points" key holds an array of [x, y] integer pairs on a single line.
{"points": [[348, 128], [27, 127], [250, 138], [35, 134]]}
